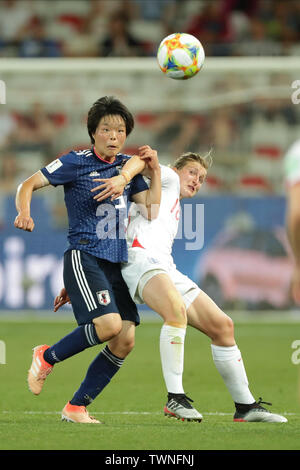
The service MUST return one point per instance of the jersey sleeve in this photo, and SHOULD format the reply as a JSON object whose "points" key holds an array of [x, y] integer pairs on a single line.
{"points": [[138, 185], [169, 178], [62, 170]]}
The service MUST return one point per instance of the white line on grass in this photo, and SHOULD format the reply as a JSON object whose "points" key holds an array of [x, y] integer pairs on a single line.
{"points": [[208, 413]]}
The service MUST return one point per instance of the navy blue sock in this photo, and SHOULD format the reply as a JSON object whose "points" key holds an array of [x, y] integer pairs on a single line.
{"points": [[81, 338], [99, 374]]}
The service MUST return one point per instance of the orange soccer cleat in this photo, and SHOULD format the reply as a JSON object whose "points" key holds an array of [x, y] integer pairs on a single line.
{"points": [[39, 369], [77, 414]]}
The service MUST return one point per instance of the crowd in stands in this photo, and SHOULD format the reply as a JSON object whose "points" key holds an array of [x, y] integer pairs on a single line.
{"points": [[108, 28], [247, 143], [247, 140], [250, 137]]}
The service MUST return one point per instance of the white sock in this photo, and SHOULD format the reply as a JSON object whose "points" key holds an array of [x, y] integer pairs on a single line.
{"points": [[172, 356], [229, 362]]}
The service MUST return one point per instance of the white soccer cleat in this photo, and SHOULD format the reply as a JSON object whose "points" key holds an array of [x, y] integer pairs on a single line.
{"points": [[259, 414], [178, 406]]}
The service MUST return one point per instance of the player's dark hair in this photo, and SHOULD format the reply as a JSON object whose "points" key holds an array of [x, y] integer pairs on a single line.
{"points": [[187, 157], [108, 106]]}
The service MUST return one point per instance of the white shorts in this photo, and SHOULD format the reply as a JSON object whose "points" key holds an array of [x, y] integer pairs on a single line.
{"points": [[141, 267]]}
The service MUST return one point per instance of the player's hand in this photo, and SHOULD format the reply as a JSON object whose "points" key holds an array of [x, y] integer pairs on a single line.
{"points": [[296, 285], [24, 223], [149, 155], [110, 187], [61, 299]]}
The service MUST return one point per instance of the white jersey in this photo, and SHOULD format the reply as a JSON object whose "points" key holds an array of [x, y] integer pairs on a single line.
{"points": [[150, 244], [292, 164], [157, 236]]}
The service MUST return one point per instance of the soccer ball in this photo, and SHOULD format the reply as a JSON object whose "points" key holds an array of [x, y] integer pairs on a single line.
{"points": [[180, 56]]}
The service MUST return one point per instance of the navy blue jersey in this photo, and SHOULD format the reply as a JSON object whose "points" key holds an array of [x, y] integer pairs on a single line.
{"points": [[96, 228]]}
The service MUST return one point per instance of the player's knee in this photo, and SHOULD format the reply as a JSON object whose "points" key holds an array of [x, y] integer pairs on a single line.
{"points": [[176, 313], [225, 328], [112, 331], [122, 347], [108, 330], [127, 346], [229, 325]]}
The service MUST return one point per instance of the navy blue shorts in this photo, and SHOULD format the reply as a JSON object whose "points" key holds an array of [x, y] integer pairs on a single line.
{"points": [[96, 287]]}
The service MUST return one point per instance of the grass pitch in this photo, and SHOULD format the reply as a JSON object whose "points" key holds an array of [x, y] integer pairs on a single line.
{"points": [[131, 406]]}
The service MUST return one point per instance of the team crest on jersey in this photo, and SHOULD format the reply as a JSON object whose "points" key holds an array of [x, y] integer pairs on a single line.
{"points": [[103, 297]]}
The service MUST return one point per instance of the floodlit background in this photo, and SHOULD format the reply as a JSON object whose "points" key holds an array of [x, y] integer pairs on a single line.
{"points": [[58, 57]]}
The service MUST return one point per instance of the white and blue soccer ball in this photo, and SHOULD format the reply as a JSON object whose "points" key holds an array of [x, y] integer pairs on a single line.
{"points": [[180, 56]]}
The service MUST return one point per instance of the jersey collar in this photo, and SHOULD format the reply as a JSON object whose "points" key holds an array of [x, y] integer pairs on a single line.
{"points": [[101, 158]]}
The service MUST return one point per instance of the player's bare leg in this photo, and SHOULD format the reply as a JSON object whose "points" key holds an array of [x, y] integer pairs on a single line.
{"points": [[122, 344], [161, 296], [108, 326], [204, 315]]}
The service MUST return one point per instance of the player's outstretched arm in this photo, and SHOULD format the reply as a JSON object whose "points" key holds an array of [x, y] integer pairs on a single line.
{"points": [[146, 163], [114, 187], [23, 220], [149, 201]]}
